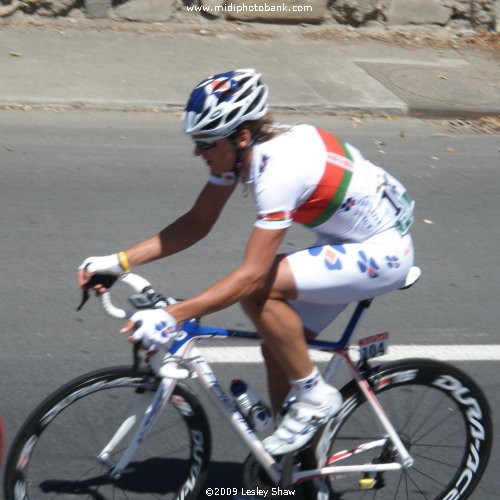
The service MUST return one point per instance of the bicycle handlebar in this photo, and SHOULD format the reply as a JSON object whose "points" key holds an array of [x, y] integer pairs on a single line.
{"points": [[145, 297], [136, 282]]}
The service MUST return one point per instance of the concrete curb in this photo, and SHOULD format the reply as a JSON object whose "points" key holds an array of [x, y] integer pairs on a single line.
{"points": [[157, 107], [177, 107]]}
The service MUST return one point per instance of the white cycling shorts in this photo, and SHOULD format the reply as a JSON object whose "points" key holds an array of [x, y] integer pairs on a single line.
{"points": [[329, 277]]}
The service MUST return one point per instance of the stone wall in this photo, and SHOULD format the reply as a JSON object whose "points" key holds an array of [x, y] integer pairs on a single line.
{"points": [[455, 14]]}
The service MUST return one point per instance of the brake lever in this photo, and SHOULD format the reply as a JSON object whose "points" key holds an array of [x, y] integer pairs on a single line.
{"points": [[106, 280]]}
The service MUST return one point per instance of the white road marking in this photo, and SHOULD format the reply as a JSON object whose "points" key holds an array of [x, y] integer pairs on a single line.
{"points": [[486, 352]]}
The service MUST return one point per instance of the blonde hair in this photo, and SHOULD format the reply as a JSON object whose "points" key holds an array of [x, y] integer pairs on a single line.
{"points": [[265, 128]]}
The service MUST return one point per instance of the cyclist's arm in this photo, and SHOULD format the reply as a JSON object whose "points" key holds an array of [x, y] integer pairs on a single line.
{"points": [[251, 277], [186, 230]]}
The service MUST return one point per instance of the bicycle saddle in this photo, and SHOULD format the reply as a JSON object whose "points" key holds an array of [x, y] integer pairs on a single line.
{"points": [[412, 277]]}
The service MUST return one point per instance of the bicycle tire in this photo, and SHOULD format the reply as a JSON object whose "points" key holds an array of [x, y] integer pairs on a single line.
{"points": [[54, 454], [451, 449]]}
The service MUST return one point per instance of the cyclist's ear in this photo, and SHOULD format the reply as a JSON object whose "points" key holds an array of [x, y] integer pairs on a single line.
{"points": [[244, 137]]}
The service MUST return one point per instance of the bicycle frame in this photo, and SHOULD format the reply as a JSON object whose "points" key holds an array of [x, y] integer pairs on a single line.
{"points": [[183, 360]]}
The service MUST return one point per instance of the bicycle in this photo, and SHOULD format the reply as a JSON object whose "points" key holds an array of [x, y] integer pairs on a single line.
{"points": [[407, 429]]}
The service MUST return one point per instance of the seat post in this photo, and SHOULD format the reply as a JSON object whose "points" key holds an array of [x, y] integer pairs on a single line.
{"points": [[361, 307], [331, 369]]}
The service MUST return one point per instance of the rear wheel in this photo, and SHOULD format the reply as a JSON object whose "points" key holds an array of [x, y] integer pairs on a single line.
{"points": [[54, 454], [441, 416]]}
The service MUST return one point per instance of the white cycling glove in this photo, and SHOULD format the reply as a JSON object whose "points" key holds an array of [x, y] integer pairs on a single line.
{"points": [[155, 330], [108, 264]]}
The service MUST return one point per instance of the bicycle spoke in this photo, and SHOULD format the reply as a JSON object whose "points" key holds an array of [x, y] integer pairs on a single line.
{"points": [[435, 460], [412, 411], [438, 424], [416, 485], [427, 476], [397, 489]]}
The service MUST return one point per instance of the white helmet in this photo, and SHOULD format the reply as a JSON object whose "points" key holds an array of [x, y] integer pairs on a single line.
{"points": [[222, 102]]}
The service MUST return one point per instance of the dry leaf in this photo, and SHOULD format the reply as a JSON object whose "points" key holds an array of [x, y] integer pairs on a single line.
{"points": [[402, 133], [442, 77], [450, 150]]}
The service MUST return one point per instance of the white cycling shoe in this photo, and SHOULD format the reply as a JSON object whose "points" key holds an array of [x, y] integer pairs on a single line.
{"points": [[301, 422]]}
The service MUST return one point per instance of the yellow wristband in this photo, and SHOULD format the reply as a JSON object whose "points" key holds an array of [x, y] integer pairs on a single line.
{"points": [[122, 257]]}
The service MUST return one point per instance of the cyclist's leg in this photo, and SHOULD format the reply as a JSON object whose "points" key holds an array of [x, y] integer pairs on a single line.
{"points": [[281, 329], [286, 352], [277, 380]]}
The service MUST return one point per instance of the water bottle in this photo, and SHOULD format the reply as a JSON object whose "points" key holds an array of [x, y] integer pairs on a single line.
{"points": [[256, 413]]}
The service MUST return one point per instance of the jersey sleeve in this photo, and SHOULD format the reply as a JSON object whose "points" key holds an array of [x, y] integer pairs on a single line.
{"points": [[276, 202]]}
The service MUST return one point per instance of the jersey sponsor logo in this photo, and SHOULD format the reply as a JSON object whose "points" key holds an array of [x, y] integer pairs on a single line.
{"points": [[368, 265], [347, 205], [331, 257], [339, 160], [392, 261], [263, 164]]}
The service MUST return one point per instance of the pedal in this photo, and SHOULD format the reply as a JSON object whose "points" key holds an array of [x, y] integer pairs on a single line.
{"points": [[367, 483]]}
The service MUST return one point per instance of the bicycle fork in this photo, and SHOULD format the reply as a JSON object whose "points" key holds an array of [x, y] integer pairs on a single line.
{"points": [[146, 408]]}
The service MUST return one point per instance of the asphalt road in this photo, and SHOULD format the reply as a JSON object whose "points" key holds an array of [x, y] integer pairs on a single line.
{"points": [[75, 184]]}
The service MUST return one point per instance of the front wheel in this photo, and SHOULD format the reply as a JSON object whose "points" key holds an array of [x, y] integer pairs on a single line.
{"points": [[54, 454], [442, 418]]}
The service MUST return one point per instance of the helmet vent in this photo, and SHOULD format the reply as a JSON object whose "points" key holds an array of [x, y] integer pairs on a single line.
{"points": [[232, 114], [256, 101], [244, 95], [225, 95], [204, 114], [211, 125]]}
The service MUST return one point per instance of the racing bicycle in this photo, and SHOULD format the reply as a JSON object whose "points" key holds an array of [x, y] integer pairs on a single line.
{"points": [[408, 429]]}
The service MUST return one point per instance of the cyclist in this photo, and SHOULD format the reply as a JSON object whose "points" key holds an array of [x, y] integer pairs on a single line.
{"points": [[302, 174]]}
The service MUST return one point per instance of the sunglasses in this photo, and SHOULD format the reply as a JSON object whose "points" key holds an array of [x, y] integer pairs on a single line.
{"points": [[204, 144]]}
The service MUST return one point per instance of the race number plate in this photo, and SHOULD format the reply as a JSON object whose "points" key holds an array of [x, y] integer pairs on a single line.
{"points": [[371, 347]]}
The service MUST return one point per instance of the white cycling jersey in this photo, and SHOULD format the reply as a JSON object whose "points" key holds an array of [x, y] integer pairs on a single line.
{"points": [[311, 177], [360, 213]]}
